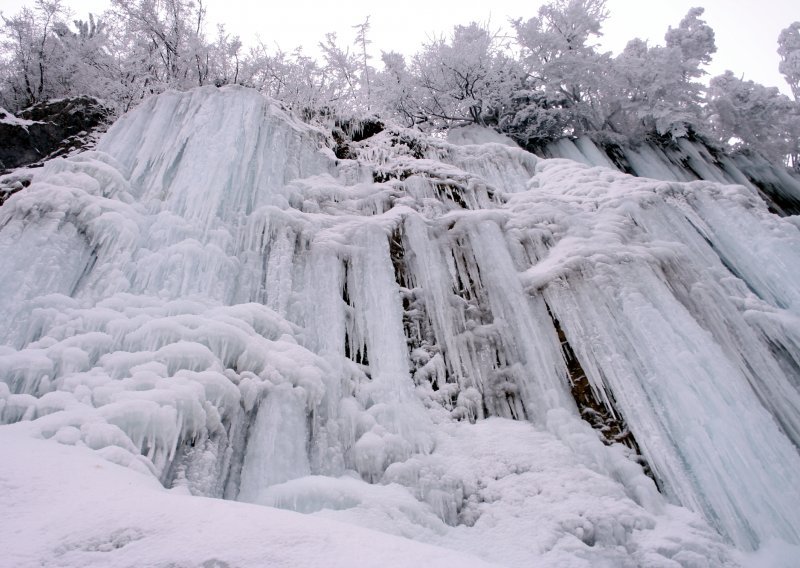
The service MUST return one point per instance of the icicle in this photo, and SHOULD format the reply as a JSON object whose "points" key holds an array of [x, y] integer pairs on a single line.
{"points": [[277, 449]]}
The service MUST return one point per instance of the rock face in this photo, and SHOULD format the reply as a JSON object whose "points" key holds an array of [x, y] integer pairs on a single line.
{"points": [[49, 129]]}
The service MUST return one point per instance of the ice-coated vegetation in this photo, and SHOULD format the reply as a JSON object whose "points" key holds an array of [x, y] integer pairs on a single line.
{"points": [[529, 361], [539, 77]]}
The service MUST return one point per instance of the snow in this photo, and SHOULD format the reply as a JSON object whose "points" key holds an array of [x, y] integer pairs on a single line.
{"points": [[67, 507], [213, 304], [774, 554], [474, 134], [8, 118]]}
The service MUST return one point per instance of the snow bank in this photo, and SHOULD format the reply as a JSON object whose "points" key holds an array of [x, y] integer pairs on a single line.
{"points": [[65, 507]]}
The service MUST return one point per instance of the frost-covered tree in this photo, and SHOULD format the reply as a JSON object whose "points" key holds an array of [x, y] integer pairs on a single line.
{"points": [[461, 78], [393, 89], [167, 36], [563, 67], [342, 72], [362, 41], [654, 90], [32, 55], [225, 58], [750, 116], [347, 74], [131, 74], [694, 39], [652, 95], [341, 82], [293, 78], [87, 66], [548, 81], [789, 50]]}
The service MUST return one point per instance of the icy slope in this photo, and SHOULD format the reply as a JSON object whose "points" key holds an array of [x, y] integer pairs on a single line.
{"points": [[418, 340]]}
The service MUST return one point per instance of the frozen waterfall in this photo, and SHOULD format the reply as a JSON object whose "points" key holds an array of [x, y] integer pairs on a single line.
{"points": [[466, 345]]}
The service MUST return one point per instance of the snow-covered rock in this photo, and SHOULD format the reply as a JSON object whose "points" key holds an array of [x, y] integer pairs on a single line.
{"points": [[48, 129]]}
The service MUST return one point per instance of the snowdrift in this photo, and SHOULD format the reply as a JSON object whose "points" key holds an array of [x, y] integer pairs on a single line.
{"points": [[528, 361]]}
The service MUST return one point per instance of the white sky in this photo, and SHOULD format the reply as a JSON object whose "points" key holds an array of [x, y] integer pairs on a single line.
{"points": [[746, 30]]}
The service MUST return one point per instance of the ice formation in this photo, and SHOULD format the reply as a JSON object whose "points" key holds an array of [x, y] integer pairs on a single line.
{"points": [[418, 339]]}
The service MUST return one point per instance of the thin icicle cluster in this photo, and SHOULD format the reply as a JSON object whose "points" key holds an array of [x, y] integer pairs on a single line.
{"points": [[395, 339]]}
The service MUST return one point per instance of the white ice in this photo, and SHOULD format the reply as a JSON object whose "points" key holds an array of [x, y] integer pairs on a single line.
{"points": [[215, 301]]}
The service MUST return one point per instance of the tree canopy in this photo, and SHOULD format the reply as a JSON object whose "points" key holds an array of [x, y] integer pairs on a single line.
{"points": [[544, 80]]}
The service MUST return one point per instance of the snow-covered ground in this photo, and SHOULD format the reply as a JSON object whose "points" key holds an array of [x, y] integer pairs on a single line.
{"points": [[211, 302], [63, 506]]}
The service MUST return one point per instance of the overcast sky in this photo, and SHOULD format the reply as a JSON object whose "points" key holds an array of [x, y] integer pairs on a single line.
{"points": [[746, 30]]}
